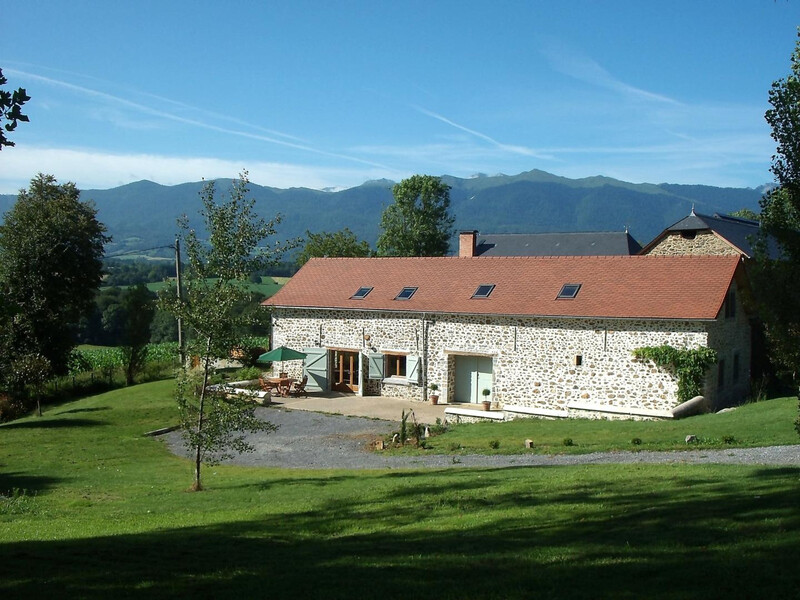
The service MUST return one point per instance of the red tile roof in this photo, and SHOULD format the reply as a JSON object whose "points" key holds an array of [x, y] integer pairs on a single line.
{"points": [[651, 287]]}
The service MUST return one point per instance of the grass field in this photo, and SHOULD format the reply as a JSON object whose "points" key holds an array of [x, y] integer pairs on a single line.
{"points": [[758, 424], [104, 513]]}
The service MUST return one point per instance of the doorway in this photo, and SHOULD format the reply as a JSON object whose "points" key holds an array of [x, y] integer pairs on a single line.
{"points": [[473, 375], [345, 370]]}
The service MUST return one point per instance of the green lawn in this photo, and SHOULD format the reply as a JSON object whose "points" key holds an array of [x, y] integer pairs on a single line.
{"points": [[759, 424], [105, 514]]}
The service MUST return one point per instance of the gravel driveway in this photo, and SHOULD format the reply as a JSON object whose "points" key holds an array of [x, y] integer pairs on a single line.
{"points": [[308, 440]]}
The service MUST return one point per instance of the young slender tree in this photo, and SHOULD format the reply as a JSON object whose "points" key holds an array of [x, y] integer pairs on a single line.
{"points": [[215, 283], [419, 222]]}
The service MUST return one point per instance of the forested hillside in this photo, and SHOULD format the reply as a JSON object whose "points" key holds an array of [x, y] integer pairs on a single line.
{"points": [[142, 215]]}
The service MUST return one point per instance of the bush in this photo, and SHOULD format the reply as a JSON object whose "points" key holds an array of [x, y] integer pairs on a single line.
{"points": [[11, 408], [568, 442], [247, 373], [636, 441], [494, 444], [728, 439]]}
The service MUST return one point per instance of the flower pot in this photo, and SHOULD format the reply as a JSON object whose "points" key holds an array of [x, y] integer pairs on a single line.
{"points": [[434, 398], [487, 405]]}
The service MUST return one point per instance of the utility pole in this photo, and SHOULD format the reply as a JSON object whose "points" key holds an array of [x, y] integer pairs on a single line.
{"points": [[181, 348]]}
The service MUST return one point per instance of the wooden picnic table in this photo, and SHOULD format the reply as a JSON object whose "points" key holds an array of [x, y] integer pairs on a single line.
{"points": [[283, 384]]}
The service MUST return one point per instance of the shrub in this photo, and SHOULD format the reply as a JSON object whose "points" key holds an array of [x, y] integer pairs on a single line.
{"points": [[248, 373], [11, 408], [568, 442], [494, 444], [728, 439], [636, 441]]}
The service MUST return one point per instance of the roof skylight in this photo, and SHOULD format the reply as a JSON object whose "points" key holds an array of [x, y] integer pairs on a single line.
{"points": [[361, 293], [484, 290], [570, 290], [405, 293]]}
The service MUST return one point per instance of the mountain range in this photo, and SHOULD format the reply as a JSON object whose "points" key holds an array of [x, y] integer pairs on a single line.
{"points": [[142, 215]]}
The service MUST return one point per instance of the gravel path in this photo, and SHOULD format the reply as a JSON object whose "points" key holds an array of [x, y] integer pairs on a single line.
{"points": [[309, 440]]}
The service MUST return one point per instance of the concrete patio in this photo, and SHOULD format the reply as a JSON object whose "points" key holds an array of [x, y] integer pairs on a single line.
{"points": [[375, 407]]}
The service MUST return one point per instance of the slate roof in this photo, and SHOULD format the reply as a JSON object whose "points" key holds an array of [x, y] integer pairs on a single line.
{"points": [[647, 287], [595, 243], [739, 233]]}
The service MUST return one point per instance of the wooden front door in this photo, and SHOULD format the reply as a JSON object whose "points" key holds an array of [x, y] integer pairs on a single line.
{"points": [[346, 374]]}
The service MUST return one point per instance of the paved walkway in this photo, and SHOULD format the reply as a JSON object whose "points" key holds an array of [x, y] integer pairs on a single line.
{"points": [[372, 407]]}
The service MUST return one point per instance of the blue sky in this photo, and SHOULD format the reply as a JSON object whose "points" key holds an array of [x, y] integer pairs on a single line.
{"points": [[323, 94]]}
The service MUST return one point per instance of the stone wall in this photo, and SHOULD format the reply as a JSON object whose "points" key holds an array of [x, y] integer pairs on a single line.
{"points": [[730, 336], [701, 242], [534, 359]]}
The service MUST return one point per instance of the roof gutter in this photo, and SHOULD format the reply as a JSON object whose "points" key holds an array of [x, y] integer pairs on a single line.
{"points": [[512, 315]]}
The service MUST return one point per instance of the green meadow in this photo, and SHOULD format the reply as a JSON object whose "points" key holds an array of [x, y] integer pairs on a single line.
{"points": [[91, 508]]}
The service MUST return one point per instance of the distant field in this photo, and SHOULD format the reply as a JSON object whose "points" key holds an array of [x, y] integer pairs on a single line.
{"points": [[268, 286]]}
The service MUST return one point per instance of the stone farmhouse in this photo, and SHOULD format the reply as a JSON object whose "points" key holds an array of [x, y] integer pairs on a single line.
{"points": [[537, 336]]}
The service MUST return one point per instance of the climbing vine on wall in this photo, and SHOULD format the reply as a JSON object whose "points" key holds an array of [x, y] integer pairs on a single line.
{"points": [[689, 365]]}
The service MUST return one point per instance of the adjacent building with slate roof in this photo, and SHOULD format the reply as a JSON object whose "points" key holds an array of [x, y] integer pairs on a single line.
{"points": [[536, 336], [592, 243], [715, 234]]}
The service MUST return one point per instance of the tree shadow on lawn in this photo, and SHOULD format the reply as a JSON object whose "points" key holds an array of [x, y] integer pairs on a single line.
{"points": [[701, 539], [82, 410], [21, 481], [50, 423]]}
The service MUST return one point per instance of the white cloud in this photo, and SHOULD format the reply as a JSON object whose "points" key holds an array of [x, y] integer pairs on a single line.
{"points": [[200, 122], [90, 169], [583, 68], [514, 149]]}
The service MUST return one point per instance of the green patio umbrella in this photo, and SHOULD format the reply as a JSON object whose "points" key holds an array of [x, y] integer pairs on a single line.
{"points": [[280, 354]]}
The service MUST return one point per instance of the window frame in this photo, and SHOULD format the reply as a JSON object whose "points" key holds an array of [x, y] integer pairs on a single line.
{"points": [[479, 296], [356, 296], [562, 295], [409, 294]]}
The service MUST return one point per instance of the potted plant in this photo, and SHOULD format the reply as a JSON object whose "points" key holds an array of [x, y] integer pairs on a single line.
{"points": [[487, 404], [434, 395]]}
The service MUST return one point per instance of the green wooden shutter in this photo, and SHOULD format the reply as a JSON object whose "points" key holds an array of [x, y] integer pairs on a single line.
{"points": [[375, 365], [412, 368], [315, 366]]}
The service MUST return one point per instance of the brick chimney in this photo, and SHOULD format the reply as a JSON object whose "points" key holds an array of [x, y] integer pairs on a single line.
{"points": [[466, 243]]}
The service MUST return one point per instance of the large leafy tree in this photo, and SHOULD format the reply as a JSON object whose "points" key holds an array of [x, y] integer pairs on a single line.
{"points": [[215, 280], [777, 281], [419, 222], [10, 110], [339, 243], [51, 245]]}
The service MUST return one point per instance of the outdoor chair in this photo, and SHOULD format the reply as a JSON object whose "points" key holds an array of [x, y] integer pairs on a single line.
{"points": [[268, 386], [300, 388]]}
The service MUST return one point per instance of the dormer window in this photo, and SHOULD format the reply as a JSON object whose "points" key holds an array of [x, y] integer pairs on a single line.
{"points": [[361, 293], [405, 293], [484, 290], [569, 291]]}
